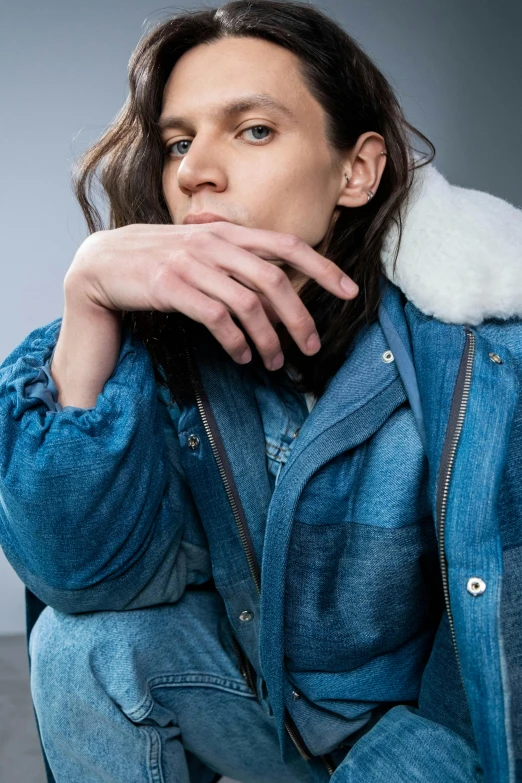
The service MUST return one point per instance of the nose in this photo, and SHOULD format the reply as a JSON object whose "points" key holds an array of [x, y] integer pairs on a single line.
{"points": [[199, 169]]}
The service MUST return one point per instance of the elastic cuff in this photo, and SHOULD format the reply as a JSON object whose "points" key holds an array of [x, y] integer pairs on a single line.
{"points": [[44, 388]]}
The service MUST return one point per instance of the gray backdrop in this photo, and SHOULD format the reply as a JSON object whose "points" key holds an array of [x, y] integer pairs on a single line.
{"points": [[455, 65]]}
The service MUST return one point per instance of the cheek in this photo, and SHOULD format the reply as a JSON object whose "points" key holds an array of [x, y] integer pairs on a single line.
{"points": [[169, 187], [302, 203]]}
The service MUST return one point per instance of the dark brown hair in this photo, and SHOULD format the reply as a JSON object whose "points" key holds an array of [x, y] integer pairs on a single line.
{"points": [[128, 159]]}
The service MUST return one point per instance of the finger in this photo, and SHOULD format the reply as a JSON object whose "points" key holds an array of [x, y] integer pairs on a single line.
{"points": [[214, 315], [243, 302], [292, 249], [266, 279]]}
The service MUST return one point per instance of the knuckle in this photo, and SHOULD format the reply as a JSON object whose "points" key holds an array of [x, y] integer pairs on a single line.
{"points": [[328, 267], [202, 238], [236, 341], [222, 227], [199, 238], [216, 313], [182, 264], [248, 302], [270, 344], [193, 237], [272, 275], [303, 322], [189, 238], [291, 242]]}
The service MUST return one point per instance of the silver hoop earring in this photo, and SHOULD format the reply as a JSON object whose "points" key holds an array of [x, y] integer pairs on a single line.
{"points": [[346, 175], [370, 195]]}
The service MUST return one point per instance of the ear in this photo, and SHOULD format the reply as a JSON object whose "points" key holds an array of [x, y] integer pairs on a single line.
{"points": [[363, 166]]}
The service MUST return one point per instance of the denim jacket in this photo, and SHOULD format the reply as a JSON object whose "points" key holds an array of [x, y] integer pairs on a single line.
{"points": [[368, 565]]}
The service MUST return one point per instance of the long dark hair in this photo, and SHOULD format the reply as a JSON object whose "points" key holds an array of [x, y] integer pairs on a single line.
{"points": [[128, 159]]}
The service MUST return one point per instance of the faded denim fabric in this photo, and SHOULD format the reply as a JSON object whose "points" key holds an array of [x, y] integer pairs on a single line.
{"points": [[117, 461], [363, 523], [475, 540], [510, 519], [336, 515], [161, 694]]}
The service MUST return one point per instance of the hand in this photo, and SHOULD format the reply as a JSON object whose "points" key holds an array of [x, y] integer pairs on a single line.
{"points": [[210, 272]]}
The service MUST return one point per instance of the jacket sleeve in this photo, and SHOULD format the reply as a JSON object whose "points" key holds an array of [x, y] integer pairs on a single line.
{"points": [[95, 512]]}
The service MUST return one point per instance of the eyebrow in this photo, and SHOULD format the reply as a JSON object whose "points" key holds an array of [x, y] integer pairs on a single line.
{"points": [[247, 103]]}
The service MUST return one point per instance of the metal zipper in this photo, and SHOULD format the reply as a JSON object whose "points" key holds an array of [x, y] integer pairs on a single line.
{"points": [[456, 420], [245, 666], [240, 522]]}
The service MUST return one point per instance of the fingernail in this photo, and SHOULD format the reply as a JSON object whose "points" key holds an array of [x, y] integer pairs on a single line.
{"points": [[348, 285], [277, 361], [313, 343], [246, 356]]}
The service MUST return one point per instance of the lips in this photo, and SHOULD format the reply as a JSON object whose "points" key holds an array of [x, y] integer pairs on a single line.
{"points": [[204, 217]]}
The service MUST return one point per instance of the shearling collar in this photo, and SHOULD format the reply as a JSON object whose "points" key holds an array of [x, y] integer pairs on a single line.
{"points": [[460, 258]]}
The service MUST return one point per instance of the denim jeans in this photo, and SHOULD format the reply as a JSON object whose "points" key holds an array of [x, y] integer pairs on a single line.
{"points": [[146, 695]]}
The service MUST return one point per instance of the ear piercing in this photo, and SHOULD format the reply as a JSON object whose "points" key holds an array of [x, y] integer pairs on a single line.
{"points": [[370, 193]]}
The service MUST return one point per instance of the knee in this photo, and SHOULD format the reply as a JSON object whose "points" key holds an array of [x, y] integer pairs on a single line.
{"points": [[88, 657], [57, 645]]}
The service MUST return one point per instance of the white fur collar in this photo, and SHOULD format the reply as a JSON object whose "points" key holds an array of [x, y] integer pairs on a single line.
{"points": [[460, 258]]}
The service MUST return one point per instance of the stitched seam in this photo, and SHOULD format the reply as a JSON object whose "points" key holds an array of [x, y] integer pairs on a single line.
{"points": [[276, 447], [154, 755], [192, 679], [277, 458], [236, 691], [199, 678], [142, 710]]}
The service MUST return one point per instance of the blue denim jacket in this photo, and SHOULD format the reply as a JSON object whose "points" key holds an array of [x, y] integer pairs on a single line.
{"points": [[328, 542]]}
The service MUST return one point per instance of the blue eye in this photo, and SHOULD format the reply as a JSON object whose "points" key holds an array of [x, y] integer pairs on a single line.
{"points": [[182, 141], [256, 128], [176, 149]]}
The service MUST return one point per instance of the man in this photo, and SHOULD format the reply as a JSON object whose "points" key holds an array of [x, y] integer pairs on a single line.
{"points": [[280, 575]]}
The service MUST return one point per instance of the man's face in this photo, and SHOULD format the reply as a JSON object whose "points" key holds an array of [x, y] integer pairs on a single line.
{"points": [[282, 176]]}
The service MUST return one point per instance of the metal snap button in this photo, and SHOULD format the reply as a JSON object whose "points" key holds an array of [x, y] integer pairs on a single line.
{"points": [[246, 616], [388, 357], [296, 695], [476, 585], [193, 442], [495, 358]]}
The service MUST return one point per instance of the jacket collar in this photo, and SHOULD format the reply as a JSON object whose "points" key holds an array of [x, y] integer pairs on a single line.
{"points": [[460, 254]]}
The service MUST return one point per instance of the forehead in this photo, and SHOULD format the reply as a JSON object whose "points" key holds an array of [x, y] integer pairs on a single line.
{"points": [[209, 74]]}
